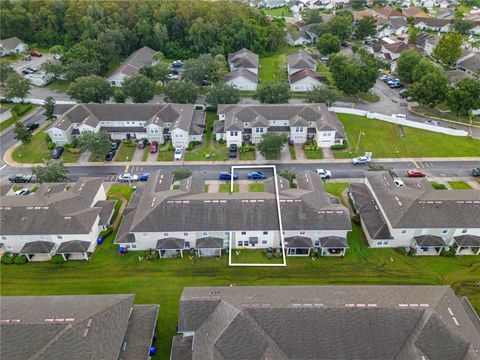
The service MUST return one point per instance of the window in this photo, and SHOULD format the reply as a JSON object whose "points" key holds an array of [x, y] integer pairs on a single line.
{"points": [[404, 231], [43, 238], [244, 233], [165, 234], [317, 243], [298, 129], [283, 232], [302, 232], [205, 234], [379, 243], [226, 233], [385, 242], [59, 237], [464, 231], [233, 133], [326, 134], [245, 243], [187, 244], [285, 123], [145, 235], [264, 242], [4, 238], [240, 243], [444, 231], [265, 233], [185, 234]]}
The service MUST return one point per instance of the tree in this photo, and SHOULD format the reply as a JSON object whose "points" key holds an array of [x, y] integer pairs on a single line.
{"points": [[157, 72], [328, 44], [448, 49], [406, 64], [92, 52], [118, 96], [49, 105], [56, 70], [412, 34], [97, 143], [465, 97], [222, 93], [140, 88], [271, 144], [90, 89], [21, 133], [430, 89], [463, 26], [198, 70], [340, 26], [359, 4], [219, 68], [181, 92], [75, 69], [365, 27], [321, 94], [355, 73], [312, 16], [5, 70], [273, 93], [51, 171], [425, 66], [17, 87], [181, 173], [289, 174]]}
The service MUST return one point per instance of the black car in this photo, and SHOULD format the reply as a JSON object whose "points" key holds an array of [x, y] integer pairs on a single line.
{"points": [[233, 151], [32, 126], [116, 144], [142, 143], [110, 155], [476, 171], [57, 152], [20, 178]]}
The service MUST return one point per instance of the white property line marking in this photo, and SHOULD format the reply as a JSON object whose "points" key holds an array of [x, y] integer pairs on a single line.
{"points": [[282, 240]]}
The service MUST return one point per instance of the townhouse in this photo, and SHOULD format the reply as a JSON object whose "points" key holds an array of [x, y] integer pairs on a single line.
{"points": [[242, 123], [12, 45], [205, 224], [243, 73], [300, 60], [301, 69], [108, 327], [433, 24], [298, 36], [469, 63], [325, 322], [58, 218], [132, 65], [427, 42], [155, 122], [415, 215]]}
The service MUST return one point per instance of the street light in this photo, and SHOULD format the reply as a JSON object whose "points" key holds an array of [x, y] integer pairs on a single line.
{"points": [[358, 141]]}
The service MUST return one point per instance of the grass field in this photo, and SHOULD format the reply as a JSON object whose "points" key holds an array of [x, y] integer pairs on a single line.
{"points": [[447, 115], [459, 185], [248, 155], [225, 188], [438, 186], [125, 152], [209, 146], [314, 154], [60, 85], [281, 11], [256, 187], [273, 67], [247, 256], [384, 140], [291, 150], [9, 122]]}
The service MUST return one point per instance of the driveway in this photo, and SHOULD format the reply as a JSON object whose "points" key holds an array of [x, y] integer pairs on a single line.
{"points": [[37, 62]]}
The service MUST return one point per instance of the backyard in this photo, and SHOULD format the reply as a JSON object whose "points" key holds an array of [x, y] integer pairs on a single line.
{"points": [[384, 140], [274, 67], [281, 11]]}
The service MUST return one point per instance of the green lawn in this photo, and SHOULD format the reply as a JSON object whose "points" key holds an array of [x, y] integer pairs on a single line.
{"points": [[383, 139], [282, 11], [146, 152], [121, 189], [438, 186], [447, 115], [247, 256], [34, 152], [125, 152], [15, 107], [248, 155], [336, 188], [225, 188], [60, 85], [460, 185], [291, 150], [256, 187], [209, 146], [314, 154], [274, 66]]}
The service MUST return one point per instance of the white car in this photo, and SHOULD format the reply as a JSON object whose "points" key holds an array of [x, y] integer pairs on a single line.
{"points": [[127, 177], [432, 122], [400, 116], [324, 174], [178, 153], [398, 182], [360, 160], [21, 192]]}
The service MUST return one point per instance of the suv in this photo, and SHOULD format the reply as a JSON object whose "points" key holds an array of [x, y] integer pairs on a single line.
{"points": [[476, 171], [110, 155], [20, 178], [115, 144], [36, 54], [142, 143], [57, 152], [32, 127], [233, 151]]}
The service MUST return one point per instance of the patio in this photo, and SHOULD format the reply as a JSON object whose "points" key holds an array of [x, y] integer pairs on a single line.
{"points": [[38, 250], [333, 246], [209, 246], [429, 245], [298, 245], [74, 250], [170, 247], [467, 244]]}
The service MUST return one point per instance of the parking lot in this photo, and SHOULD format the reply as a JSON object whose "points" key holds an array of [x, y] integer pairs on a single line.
{"points": [[36, 62]]}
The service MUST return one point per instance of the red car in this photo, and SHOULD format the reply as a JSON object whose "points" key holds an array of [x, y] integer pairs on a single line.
{"points": [[154, 147], [36, 53], [415, 173]]}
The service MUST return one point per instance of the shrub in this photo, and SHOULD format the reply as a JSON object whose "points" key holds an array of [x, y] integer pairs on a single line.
{"points": [[269, 255], [278, 253], [401, 250], [7, 258], [192, 144], [21, 259], [106, 233], [246, 148], [339, 146], [72, 149], [20, 111], [57, 259], [311, 145], [221, 141], [448, 253], [438, 186], [356, 220]]}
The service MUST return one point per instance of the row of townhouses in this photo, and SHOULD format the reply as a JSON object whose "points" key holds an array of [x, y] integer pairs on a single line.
{"points": [[243, 73], [238, 124], [155, 122], [172, 221]]}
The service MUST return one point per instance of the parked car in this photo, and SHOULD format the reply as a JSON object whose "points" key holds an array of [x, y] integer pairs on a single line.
{"points": [[178, 153], [31, 127], [173, 77], [393, 81], [36, 54], [256, 175], [233, 151], [432, 122], [227, 176], [403, 93], [116, 144], [20, 178], [395, 86], [476, 171], [360, 160], [415, 173], [27, 71], [127, 177], [144, 177], [154, 147], [384, 77], [23, 191], [398, 182], [57, 152], [27, 58], [324, 174], [177, 64], [400, 116], [142, 143], [110, 155]]}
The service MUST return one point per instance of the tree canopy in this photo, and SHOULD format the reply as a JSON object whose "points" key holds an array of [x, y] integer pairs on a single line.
{"points": [[181, 92], [91, 88], [17, 86], [328, 44], [321, 94], [271, 144], [139, 88], [448, 49], [96, 142], [222, 93], [406, 64], [430, 89], [51, 171], [21, 133], [273, 93], [49, 105], [465, 97], [365, 27]]}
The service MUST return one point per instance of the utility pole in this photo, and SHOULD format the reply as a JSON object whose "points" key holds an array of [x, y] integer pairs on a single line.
{"points": [[358, 140]]}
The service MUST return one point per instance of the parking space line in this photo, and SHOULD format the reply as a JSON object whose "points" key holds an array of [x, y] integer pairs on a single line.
{"points": [[416, 165]]}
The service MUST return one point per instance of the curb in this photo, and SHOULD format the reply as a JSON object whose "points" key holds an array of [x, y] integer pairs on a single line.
{"points": [[23, 118], [441, 119]]}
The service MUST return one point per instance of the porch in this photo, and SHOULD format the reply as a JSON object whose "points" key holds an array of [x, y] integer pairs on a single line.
{"points": [[428, 245], [298, 245], [209, 246], [467, 244], [333, 246], [170, 247], [38, 250], [74, 250]]}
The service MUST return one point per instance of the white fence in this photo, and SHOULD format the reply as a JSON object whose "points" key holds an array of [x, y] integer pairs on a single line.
{"points": [[398, 121]]}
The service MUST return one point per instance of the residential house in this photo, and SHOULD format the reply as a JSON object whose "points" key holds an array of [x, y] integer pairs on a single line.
{"points": [[391, 52], [475, 30], [5, 113], [189, 219], [429, 4], [388, 13], [273, 4], [300, 60], [415, 214], [394, 26], [447, 13], [108, 327], [57, 218], [469, 63], [325, 322], [12, 45], [358, 15], [245, 59], [433, 24], [154, 122], [427, 42], [298, 37], [455, 76], [242, 123], [321, 4], [415, 12], [242, 79], [305, 80], [132, 64]]}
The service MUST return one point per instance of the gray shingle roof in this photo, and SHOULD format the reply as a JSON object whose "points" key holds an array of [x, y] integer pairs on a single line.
{"points": [[106, 213], [170, 244], [73, 246], [209, 242], [472, 63], [433, 22], [37, 247], [298, 242], [241, 72], [137, 60], [467, 240], [302, 74], [333, 242], [181, 348], [243, 58], [301, 60], [11, 43], [429, 240], [324, 322]]}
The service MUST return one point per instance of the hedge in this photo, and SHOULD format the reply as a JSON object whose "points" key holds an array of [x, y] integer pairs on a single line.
{"points": [[106, 233], [246, 148], [7, 258], [339, 146], [57, 259], [192, 144], [22, 111], [311, 146], [21, 259]]}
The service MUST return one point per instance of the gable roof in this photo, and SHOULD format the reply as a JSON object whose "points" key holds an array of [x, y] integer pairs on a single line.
{"points": [[241, 72], [301, 60], [389, 13], [324, 322], [299, 33], [471, 63], [243, 58], [399, 47], [137, 60], [415, 12], [432, 22], [302, 74], [10, 43]]}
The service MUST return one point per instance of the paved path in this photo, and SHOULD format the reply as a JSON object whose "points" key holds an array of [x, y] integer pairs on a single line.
{"points": [[327, 153], [120, 210], [84, 156], [299, 152], [137, 155]]}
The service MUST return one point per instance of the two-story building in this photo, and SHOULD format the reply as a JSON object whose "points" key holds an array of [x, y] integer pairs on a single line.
{"points": [[243, 73], [57, 218], [241, 123], [132, 65], [154, 122], [416, 215], [189, 219], [300, 60], [12, 45], [433, 24]]}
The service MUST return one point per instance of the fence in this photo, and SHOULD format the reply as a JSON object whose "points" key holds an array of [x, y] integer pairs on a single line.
{"points": [[394, 120]]}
